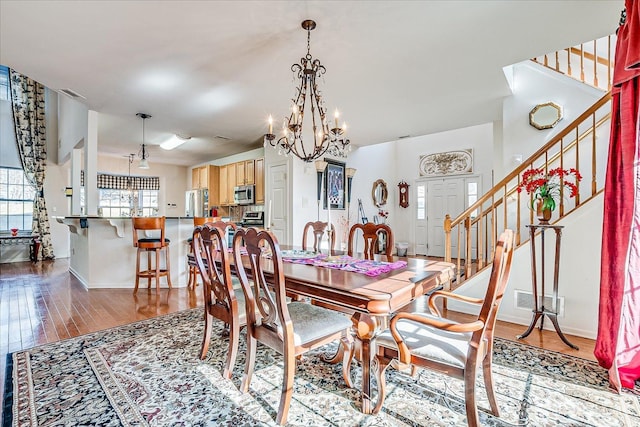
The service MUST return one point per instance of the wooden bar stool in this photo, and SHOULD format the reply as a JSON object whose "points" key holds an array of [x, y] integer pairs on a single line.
{"points": [[148, 245]]}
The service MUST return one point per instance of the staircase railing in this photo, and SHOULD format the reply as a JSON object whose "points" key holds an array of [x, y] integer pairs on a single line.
{"points": [[471, 237], [590, 62]]}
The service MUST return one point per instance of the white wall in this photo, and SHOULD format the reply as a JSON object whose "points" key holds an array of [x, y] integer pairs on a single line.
{"points": [[398, 160], [72, 126], [579, 274], [533, 84]]}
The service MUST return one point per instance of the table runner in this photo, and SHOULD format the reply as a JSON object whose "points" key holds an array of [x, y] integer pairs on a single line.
{"points": [[371, 268]]}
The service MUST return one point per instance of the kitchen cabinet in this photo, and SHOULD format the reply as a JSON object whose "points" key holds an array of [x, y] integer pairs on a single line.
{"points": [[245, 173], [224, 186], [213, 173], [259, 180], [200, 177], [231, 181], [248, 172]]}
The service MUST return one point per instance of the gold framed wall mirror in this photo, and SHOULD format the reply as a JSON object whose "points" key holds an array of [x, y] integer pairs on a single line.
{"points": [[545, 116], [379, 193]]}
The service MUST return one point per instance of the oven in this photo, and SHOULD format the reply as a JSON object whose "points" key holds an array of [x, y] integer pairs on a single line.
{"points": [[252, 219]]}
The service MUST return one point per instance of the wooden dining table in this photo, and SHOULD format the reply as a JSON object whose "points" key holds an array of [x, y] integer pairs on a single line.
{"points": [[372, 300]]}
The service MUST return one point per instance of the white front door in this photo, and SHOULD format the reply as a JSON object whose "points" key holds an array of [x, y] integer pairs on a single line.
{"points": [[277, 203], [444, 196]]}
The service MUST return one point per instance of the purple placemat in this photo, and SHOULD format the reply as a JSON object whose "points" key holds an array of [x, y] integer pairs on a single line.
{"points": [[344, 262]]}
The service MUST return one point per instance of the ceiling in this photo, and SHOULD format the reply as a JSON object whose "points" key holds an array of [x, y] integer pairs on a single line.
{"points": [[215, 70]]}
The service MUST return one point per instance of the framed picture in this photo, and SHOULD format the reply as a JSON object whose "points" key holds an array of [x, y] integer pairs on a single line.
{"points": [[334, 184]]}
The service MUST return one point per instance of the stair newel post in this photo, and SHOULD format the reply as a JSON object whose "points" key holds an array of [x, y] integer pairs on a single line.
{"points": [[447, 238]]}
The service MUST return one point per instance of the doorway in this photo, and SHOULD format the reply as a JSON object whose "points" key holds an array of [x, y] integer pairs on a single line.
{"points": [[435, 198], [277, 205]]}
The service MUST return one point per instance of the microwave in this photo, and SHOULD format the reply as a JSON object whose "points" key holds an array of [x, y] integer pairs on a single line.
{"points": [[244, 195]]}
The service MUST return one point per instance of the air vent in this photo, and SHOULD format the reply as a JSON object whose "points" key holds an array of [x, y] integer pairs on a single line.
{"points": [[524, 300], [226, 138], [71, 93], [404, 136]]}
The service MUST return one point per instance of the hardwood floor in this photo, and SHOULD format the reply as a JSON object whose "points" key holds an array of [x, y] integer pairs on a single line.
{"points": [[42, 303]]}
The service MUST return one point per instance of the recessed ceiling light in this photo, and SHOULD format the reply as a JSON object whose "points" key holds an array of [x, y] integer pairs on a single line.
{"points": [[175, 141]]}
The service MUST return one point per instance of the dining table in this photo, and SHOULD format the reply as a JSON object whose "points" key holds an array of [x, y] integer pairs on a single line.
{"points": [[370, 299]]}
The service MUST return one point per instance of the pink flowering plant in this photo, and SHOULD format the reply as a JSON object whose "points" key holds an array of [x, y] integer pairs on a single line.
{"points": [[546, 186]]}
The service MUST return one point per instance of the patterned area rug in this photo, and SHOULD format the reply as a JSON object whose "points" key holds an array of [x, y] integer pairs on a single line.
{"points": [[148, 373]]}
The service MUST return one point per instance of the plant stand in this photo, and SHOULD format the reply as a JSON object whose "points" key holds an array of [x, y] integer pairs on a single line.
{"points": [[539, 310]]}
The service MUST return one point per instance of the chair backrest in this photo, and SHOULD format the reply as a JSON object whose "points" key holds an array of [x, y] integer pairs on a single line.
{"points": [[318, 229], [148, 224], [267, 312], [371, 233], [213, 259], [500, 272]]}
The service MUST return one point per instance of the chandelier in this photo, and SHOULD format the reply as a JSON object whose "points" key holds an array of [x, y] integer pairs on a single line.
{"points": [[325, 139], [144, 157]]}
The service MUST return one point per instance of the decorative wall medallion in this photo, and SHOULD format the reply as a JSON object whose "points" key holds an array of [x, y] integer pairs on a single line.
{"points": [[449, 163]]}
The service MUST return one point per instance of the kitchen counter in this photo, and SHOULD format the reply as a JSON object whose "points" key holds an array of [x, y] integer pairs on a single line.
{"points": [[102, 253]]}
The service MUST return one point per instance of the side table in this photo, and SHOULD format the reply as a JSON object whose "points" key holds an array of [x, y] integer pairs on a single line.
{"points": [[539, 310]]}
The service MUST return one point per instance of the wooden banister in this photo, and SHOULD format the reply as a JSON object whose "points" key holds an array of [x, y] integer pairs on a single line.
{"points": [[474, 232]]}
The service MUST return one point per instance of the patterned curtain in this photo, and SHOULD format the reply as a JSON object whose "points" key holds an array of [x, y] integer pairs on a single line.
{"points": [[27, 100]]}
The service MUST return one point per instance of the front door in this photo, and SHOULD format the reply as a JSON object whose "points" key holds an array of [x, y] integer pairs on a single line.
{"points": [[277, 204], [444, 196]]}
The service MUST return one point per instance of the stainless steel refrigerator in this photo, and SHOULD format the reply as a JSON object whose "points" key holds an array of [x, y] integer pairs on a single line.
{"points": [[197, 203]]}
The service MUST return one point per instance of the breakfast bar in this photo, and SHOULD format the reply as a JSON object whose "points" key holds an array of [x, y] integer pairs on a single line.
{"points": [[102, 254]]}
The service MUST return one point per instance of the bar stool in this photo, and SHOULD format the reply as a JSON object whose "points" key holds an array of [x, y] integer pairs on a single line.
{"points": [[148, 245]]}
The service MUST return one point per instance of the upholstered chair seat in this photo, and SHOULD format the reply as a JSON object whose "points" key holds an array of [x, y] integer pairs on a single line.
{"points": [[434, 344], [311, 322]]}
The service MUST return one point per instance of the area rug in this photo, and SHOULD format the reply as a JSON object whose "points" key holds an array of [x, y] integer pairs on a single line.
{"points": [[148, 374]]}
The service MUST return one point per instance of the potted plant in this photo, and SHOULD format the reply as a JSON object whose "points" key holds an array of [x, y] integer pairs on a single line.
{"points": [[547, 187]]}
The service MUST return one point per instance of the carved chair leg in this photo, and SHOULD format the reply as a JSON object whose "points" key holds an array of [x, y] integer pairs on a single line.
{"points": [[470, 396], [250, 363], [208, 321], [234, 339], [287, 388], [488, 384]]}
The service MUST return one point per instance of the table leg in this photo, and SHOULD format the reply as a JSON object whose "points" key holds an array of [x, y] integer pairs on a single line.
{"points": [[554, 320], [534, 320], [366, 327]]}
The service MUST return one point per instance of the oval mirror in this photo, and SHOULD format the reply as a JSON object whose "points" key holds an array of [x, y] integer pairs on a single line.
{"points": [[545, 116], [379, 193]]}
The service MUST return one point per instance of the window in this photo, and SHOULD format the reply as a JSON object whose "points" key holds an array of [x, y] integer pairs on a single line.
{"points": [[421, 198], [16, 200], [117, 203], [472, 196]]}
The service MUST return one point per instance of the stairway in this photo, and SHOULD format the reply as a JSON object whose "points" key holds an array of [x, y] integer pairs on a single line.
{"points": [[470, 238]]}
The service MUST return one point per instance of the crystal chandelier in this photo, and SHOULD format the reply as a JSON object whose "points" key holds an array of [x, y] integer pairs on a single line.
{"points": [[325, 139]]}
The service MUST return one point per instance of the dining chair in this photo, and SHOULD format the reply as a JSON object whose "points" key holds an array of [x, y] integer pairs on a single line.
{"points": [[456, 349], [371, 234], [318, 229], [155, 244], [291, 329], [222, 300], [191, 261]]}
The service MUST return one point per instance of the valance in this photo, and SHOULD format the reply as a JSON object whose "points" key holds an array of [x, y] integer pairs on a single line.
{"points": [[125, 182]]}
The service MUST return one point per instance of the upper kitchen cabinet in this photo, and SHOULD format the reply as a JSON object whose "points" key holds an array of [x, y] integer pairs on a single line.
{"points": [[213, 173], [200, 177], [245, 174], [259, 181]]}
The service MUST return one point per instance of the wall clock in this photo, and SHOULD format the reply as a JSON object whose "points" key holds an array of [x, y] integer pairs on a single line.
{"points": [[404, 194]]}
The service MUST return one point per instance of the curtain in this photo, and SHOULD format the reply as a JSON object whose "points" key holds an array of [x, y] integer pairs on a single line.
{"points": [[618, 341], [27, 102]]}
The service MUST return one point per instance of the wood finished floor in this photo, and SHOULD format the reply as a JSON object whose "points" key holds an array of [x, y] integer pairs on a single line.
{"points": [[42, 303]]}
